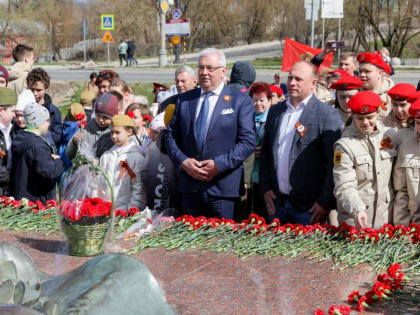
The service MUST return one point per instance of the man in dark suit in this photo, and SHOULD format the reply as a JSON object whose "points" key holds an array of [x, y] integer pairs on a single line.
{"points": [[209, 137], [297, 152]]}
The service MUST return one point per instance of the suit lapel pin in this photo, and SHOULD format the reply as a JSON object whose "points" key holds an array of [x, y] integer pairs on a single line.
{"points": [[300, 128], [227, 98]]}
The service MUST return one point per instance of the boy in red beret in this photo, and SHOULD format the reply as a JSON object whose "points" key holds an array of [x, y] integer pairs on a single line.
{"points": [[399, 118], [363, 159], [374, 71], [406, 175]]}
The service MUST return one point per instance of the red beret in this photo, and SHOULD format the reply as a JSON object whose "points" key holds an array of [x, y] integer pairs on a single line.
{"points": [[414, 109], [347, 82], [4, 73], [276, 89], [401, 91], [364, 102], [159, 87], [375, 59], [341, 72], [414, 97]]}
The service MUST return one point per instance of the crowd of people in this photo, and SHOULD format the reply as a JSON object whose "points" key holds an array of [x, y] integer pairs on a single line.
{"points": [[329, 145]]}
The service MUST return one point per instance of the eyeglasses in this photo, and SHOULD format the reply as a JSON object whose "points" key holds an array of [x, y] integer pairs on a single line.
{"points": [[209, 69]]}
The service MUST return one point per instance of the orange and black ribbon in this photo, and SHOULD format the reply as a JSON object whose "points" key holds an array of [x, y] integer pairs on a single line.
{"points": [[383, 106], [386, 144], [124, 168], [301, 129]]}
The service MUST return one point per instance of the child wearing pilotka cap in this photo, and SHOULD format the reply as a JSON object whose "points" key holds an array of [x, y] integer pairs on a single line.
{"points": [[122, 164], [36, 167], [8, 99]]}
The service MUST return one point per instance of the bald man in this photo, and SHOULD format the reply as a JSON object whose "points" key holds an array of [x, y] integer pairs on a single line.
{"points": [[297, 152]]}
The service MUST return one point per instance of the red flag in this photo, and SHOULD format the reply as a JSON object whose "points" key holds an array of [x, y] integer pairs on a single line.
{"points": [[295, 51]]}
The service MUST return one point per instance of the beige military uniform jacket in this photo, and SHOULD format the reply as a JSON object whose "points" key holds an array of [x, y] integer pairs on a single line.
{"points": [[324, 95], [17, 76], [407, 181], [362, 174]]}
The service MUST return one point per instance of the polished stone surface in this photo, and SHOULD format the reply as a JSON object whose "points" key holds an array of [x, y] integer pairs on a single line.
{"points": [[208, 283]]}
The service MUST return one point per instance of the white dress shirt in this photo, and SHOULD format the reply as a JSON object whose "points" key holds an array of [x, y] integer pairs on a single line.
{"points": [[286, 134], [8, 139]]}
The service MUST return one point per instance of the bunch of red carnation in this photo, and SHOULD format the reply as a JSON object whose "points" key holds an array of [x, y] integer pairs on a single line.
{"points": [[89, 207], [126, 213], [34, 206]]}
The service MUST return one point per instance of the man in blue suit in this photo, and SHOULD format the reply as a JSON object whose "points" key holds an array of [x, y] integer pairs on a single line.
{"points": [[210, 135], [297, 152]]}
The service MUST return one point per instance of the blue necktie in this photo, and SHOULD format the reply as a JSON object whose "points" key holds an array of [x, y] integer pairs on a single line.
{"points": [[201, 123]]}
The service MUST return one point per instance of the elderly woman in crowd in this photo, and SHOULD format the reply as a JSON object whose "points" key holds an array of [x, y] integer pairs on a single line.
{"points": [[261, 95], [104, 80]]}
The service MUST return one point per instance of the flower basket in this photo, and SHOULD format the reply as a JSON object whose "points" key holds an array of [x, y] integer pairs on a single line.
{"points": [[86, 208]]}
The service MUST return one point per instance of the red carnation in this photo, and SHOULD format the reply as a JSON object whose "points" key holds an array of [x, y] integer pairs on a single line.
{"points": [[133, 211], [354, 297], [147, 118], [319, 312], [361, 304], [131, 114], [393, 270], [79, 116]]}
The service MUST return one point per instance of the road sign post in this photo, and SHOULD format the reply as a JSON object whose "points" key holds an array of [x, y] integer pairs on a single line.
{"points": [[162, 52], [107, 39]]}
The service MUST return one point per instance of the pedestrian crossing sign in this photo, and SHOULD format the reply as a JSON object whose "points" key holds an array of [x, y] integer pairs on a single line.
{"points": [[107, 37], [107, 22]]}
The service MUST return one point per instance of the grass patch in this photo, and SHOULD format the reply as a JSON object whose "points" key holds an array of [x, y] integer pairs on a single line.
{"points": [[143, 88], [75, 98]]}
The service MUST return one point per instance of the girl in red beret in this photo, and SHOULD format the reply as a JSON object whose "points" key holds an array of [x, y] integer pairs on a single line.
{"points": [[407, 173], [345, 88], [399, 118], [363, 160]]}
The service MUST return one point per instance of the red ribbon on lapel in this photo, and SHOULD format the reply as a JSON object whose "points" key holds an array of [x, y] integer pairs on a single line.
{"points": [[125, 167]]}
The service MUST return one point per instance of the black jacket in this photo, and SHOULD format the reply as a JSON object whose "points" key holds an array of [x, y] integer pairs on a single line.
{"points": [[56, 125], [34, 172], [4, 172], [242, 76]]}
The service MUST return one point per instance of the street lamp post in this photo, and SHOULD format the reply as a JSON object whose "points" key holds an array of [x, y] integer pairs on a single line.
{"points": [[162, 51]]}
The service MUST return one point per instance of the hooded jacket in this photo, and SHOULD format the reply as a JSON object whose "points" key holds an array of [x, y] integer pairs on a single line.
{"points": [[96, 140], [34, 172], [243, 74], [17, 76], [362, 174], [128, 191], [56, 125], [69, 129]]}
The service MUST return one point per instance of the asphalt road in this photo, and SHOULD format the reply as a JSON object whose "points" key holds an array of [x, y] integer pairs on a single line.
{"points": [[167, 75]]}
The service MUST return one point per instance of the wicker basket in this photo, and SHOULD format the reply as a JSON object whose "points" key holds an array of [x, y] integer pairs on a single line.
{"points": [[85, 240]]}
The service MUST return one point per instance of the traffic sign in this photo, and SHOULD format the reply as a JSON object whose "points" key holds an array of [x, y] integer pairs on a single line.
{"points": [[176, 13], [107, 22], [176, 40], [179, 27], [107, 37], [332, 9], [164, 6]]}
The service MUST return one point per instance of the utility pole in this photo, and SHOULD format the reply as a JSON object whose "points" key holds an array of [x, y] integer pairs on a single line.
{"points": [[84, 40], [312, 23], [177, 46], [163, 5]]}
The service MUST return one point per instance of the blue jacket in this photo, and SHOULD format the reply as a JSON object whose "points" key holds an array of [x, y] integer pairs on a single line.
{"points": [[311, 156], [230, 140], [69, 129], [34, 172], [56, 125]]}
